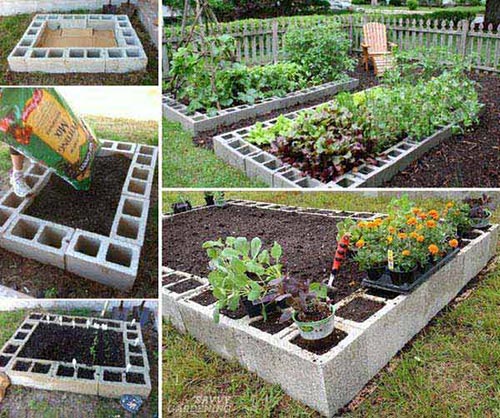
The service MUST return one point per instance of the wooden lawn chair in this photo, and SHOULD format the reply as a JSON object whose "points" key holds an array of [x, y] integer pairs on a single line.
{"points": [[376, 48]]}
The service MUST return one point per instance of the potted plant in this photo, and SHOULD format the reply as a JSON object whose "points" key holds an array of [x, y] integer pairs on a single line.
{"points": [[480, 211], [241, 271], [182, 205], [372, 259], [209, 198], [311, 310], [457, 214]]}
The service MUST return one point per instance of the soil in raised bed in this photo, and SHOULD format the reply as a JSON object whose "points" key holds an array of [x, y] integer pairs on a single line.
{"points": [[359, 309], [41, 368], [308, 241], [272, 325], [93, 210], [185, 286], [205, 298], [65, 343], [320, 346], [172, 278]]}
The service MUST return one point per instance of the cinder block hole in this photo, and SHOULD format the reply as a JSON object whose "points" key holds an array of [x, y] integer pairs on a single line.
{"points": [[37, 24], [242, 131], [345, 183], [32, 32], [93, 53], [137, 378], [41, 368], [123, 24], [128, 228], [22, 366], [137, 361], [53, 237], [112, 376], [107, 144], [113, 325], [322, 346], [137, 187], [20, 52], [273, 165], [307, 183], [4, 360], [25, 229], [115, 53], [11, 349], [140, 173], [35, 317], [37, 170], [394, 153], [130, 40], [144, 160], [405, 146], [146, 150], [133, 53], [133, 208], [83, 373], [38, 53], [132, 335], [26, 42], [12, 201], [245, 150], [119, 255], [127, 32], [135, 348], [80, 320], [131, 327], [237, 144], [56, 53], [4, 216], [291, 175], [31, 180], [87, 245], [124, 147], [65, 371], [20, 335], [67, 17], [27, 326], [76, 53], [381, 293], [365, 170]]}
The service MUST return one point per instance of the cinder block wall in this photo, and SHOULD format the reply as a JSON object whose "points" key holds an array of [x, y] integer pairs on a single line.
{"points": [[13, 7]]}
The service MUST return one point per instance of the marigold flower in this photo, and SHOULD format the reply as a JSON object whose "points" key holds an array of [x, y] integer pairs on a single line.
{"points": [[449, 205], [392, 230], [421, 238], [412, 221], [378, 221], [360, 243], [413, 235], [431, 224], [402, 235], [415, 211], [406, 253], [453, 243], [361, 224], [434, 214], [422, 215], [433, 249], [389, 239]]}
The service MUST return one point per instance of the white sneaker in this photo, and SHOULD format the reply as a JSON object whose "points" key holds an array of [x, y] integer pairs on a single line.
{"points": [[19, 185]]}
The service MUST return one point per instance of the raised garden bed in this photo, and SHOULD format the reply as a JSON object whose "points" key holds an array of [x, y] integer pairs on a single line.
{"points": [[371, 325], [91, 356], [100, 236], [68, 43], [200, 122], [234, 149]]}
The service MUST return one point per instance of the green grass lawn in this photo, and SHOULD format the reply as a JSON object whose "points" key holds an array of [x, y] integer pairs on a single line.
{"points": [[186, 165], [27, 402], [13, 27], [449, 370]]}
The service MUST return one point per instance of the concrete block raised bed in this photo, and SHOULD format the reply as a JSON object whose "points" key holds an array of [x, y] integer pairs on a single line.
{"points": [[85, 379], [329, 381], [111, 260], [31, 55], [234, 149], [200, 122]]}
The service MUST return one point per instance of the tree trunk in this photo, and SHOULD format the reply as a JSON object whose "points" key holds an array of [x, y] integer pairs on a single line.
{"points": [[492, 14]]}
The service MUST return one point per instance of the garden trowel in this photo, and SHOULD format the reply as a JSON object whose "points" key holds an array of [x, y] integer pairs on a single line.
{"points": [[120, 312], [141, 313], [340, 255]]}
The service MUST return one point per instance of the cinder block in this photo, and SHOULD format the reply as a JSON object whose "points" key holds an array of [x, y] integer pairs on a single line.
{"points": [[131, 220], [6, 216], [107, 148]]}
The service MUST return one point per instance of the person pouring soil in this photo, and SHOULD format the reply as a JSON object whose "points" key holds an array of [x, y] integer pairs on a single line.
{"points": [[17, 180]]}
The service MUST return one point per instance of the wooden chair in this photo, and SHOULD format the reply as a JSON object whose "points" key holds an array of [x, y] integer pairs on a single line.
{"points": [[376, 48]]}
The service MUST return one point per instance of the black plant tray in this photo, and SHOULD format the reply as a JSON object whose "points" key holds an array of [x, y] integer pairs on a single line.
{"points": [[385, 282]]}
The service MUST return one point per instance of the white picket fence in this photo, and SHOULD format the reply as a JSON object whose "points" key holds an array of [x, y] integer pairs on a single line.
{"points": [[262, 41]]}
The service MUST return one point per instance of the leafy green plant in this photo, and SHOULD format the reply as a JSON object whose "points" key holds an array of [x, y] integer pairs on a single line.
{"points": [[265, 136], [412, 4], [241, 269]]}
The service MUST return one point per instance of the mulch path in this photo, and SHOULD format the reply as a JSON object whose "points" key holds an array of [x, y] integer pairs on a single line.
{"points": [[308, 241]]}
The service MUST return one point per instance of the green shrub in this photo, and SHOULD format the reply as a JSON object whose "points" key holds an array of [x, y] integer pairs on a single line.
{"points": [[412, 4], [322, 51]]}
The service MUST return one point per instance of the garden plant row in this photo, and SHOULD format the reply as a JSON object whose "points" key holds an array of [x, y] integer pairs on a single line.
{"points": [[327, 376], [111, 259], [96, 356]]}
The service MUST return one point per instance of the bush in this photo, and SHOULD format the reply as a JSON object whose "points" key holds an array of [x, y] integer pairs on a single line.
{"points": [[412, 4], [322, 51]]}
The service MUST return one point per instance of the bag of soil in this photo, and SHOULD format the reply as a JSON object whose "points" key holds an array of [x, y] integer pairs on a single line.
{"points": [[40, 125]]}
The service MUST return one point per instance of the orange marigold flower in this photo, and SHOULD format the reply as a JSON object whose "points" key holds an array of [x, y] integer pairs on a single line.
{"points": [[378, 221], [406, 253], [415, 211], [433, 249], [421, 238], [360, 243], [402, 235], [412, 221], [422, 215], [413, 235], [392, 230], [453, 243], [361, 224], [389, 239], [431, 224], [434, 214], [419, 227], [449, 205]]}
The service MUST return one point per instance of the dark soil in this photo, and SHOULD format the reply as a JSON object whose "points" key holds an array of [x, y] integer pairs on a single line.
{"points": [[239, 313], [65, 371], [172, 279], [41, 368], [321, 313], [112, 376], [4, 360], [320, 346], [272, 325], [10, 349], [308, 241], [359, 309], [85, 373], [381, 293], [65, 343], [468, 160], [135, 378], [93, 210], [366, 80], [22, 366], [185, 286], [205, 299]]}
